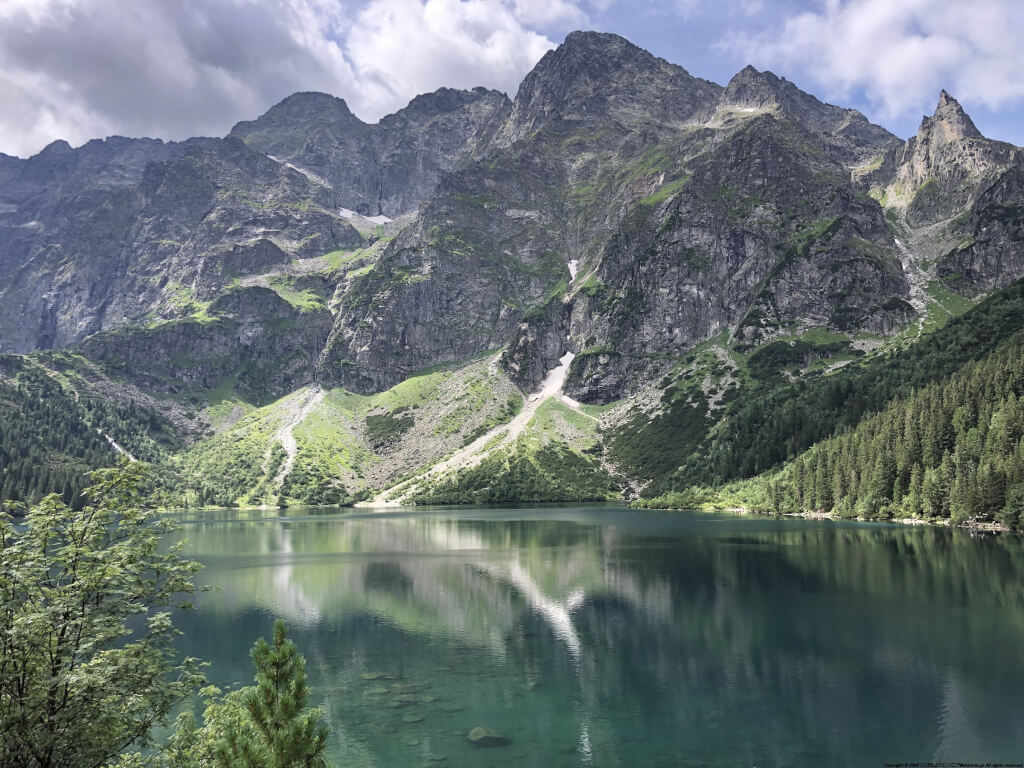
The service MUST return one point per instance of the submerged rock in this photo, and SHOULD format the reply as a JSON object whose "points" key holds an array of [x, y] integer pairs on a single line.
{"points": [[485, 737]]}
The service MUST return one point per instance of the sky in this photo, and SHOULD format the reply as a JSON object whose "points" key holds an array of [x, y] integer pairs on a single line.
{"points": [[81, 69]]}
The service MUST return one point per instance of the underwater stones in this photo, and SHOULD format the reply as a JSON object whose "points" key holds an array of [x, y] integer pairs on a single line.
{"points": [[413, 717], [482, 736]]}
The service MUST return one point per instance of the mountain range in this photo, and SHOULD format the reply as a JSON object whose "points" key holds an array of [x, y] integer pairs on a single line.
{"points": [[568, 295]]}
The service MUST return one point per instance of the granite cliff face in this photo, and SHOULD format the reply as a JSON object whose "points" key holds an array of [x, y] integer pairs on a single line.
{"points": [[383, 169], [946, 165], [688, 209], [618, 208], [991, 253]]}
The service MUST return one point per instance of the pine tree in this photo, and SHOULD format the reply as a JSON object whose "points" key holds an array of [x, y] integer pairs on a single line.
{"points": [[279, 733]]}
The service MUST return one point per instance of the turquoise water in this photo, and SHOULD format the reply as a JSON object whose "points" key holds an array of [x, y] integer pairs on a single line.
{"points": [[612, 637]]}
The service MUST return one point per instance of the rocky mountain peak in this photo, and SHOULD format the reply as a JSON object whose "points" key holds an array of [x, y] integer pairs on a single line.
{"points": [[593, 76], [752, 88], [56, 148], [852, 138], [948, 123], [303, 105], [946, 163], [445, 100]]}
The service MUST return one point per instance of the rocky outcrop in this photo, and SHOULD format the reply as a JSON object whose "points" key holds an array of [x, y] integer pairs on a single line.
{"points": [[266, 345], [383, 169], [482, 736], [538, 343], [991, 253], [946, 165]]}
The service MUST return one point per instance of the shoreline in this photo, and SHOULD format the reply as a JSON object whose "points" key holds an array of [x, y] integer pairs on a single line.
{"points": [[938, 522]]}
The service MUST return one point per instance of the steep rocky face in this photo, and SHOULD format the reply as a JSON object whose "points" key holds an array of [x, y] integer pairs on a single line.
{"points": [[318, 134], [945, 165], [619, 208], [846, 134], [387, 168], [134, 240], [756, 237], [682, 226], [484, 250], [417, 145], [603, 78], [991, 253], [253, 337]]}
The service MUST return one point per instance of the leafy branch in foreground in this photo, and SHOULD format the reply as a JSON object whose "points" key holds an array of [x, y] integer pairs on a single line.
{"points": [[87, 665]]}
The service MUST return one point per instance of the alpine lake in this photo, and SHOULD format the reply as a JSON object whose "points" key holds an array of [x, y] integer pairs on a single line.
{"points": [[604, 636]]}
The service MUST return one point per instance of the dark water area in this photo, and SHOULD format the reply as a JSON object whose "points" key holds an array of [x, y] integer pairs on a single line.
{"points": [[614, 637]]}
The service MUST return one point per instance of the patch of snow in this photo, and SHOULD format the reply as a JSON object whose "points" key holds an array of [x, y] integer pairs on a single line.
{"points": [[348, 213], [574, 267], [308, 174], [518, 213]]}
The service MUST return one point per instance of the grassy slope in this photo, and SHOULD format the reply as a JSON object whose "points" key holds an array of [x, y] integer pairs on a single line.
{"points": [[556, 458], [349, 443]]}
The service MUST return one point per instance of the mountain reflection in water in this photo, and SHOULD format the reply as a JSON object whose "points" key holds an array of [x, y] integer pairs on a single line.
{"points": [[614, 637]]}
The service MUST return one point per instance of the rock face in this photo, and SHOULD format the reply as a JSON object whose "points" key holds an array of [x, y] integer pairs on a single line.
{"points": [[126, 239], [383, 169], [992, 251], [687, 210], [266, 345], [947, 164], [845, 134]]}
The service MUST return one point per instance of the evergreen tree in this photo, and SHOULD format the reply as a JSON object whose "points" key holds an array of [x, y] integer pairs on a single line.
{"points": [[278, 732]]}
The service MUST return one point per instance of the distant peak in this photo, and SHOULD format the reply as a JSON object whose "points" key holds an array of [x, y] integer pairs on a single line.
{"points": [[58, 147], [312, 99], [752, 88], [591, 39], [949, 121], [592, 47], [449, 99], [748, 71]]}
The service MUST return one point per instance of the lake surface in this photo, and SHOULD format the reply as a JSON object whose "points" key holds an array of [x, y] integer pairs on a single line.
{"points": [[612, 637]]}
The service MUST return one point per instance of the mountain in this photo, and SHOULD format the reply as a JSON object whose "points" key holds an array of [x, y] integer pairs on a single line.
{"points": [[569, 294]]}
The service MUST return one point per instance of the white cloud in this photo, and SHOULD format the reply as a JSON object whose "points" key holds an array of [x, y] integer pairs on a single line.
{"points": [[77, 69], [403, 47], [899, 53], [544, 13]]}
